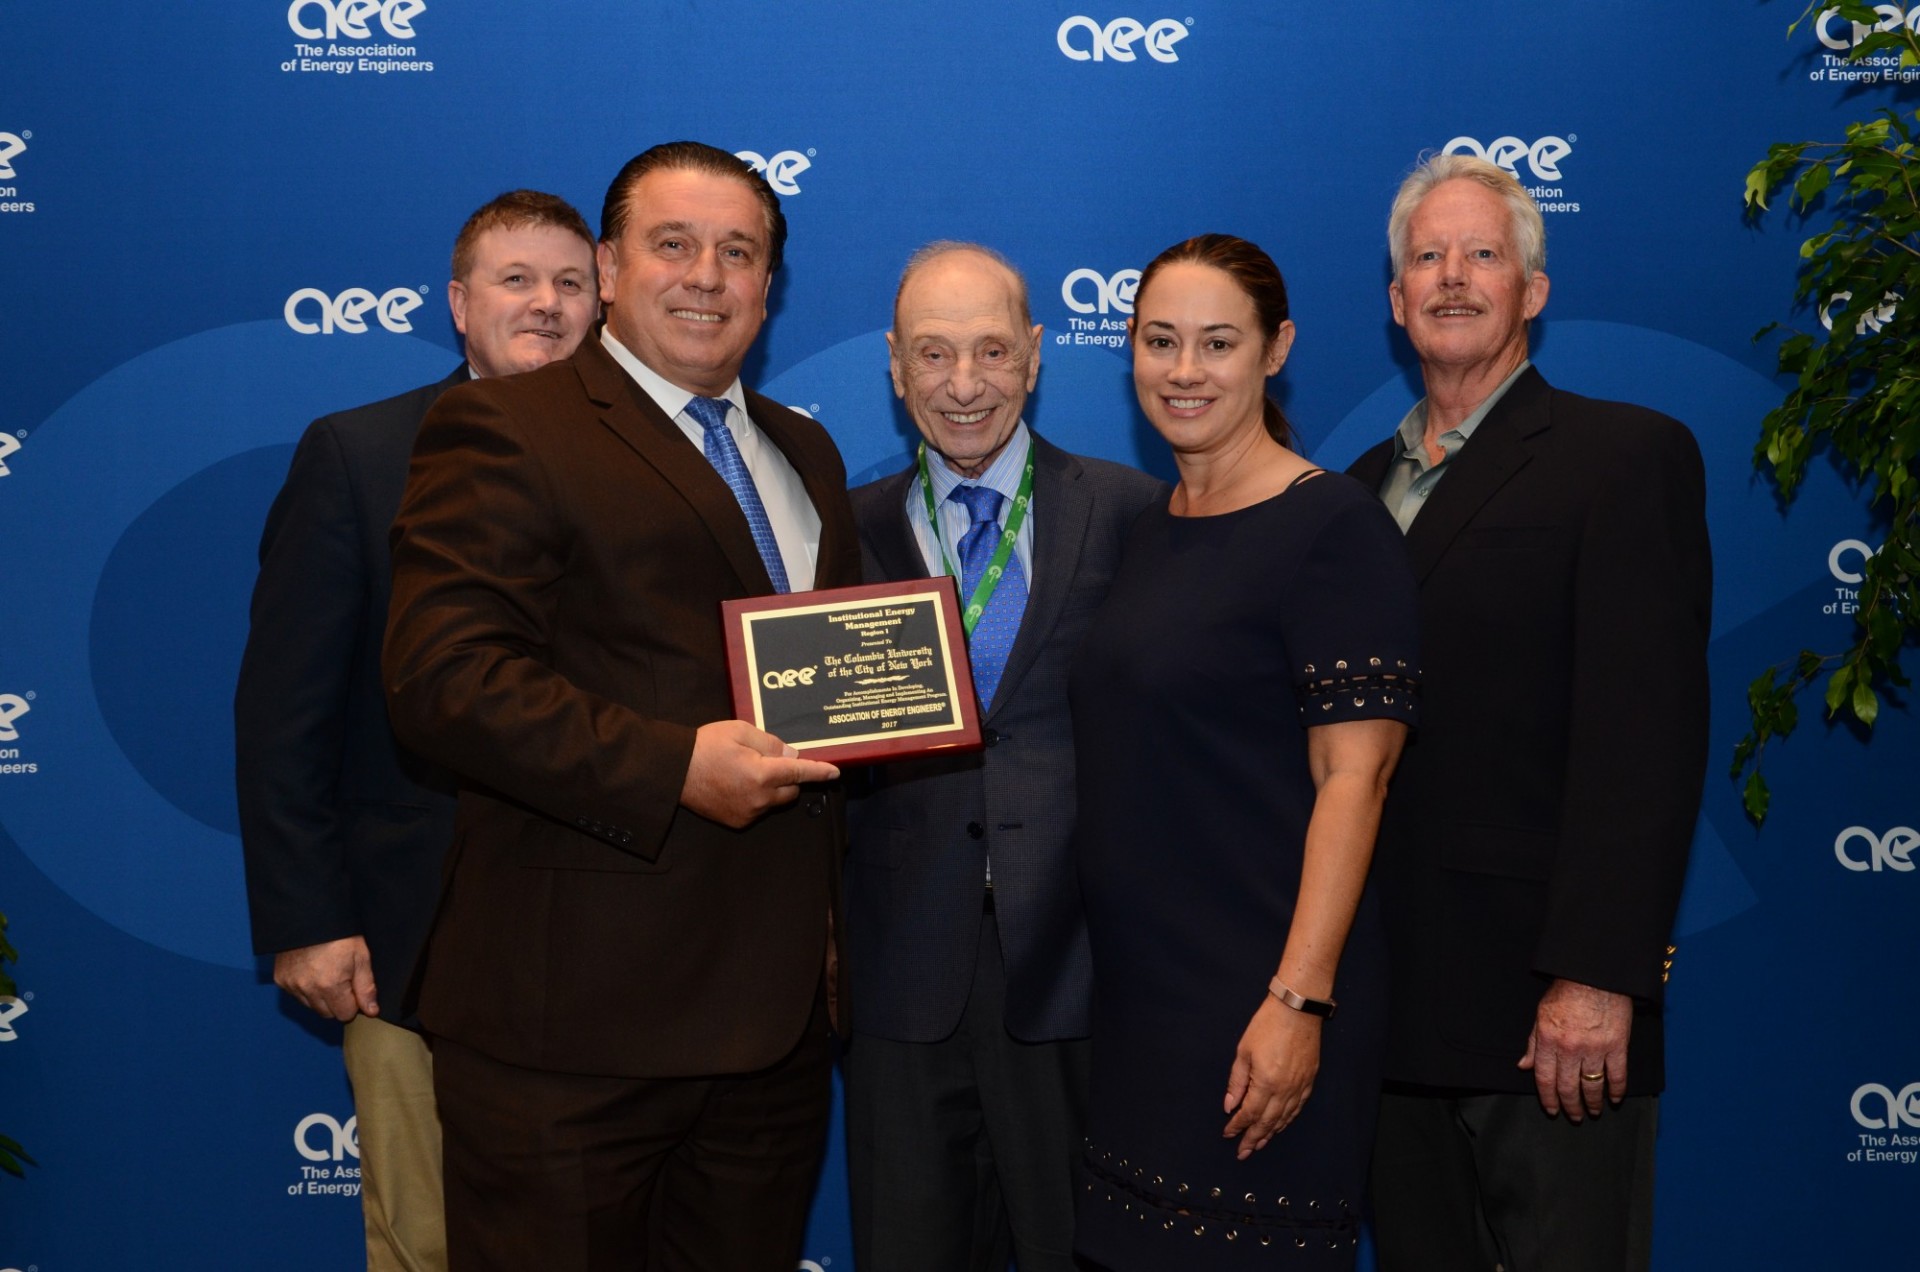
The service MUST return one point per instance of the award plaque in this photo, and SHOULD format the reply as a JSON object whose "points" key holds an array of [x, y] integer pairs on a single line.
{"points": [[855, 674]]}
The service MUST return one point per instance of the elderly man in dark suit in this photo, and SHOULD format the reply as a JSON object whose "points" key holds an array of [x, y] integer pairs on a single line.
{"points": [[970, 978], [344, 831], [624, 983], [1536, 836]]}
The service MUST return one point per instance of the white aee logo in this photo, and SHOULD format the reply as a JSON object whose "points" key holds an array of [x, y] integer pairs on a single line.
{"points": [[1543, 156], [12, 707], [1115, 40], [1841, 550], [347, 311], [8, 444], [11, 1009], [780, 170], [10, 147], [344, 1140], [1873, 319], [349, 18], [788, 679], [1893, 851], [1901, 1109], [1892, 18], [1113, 294]]}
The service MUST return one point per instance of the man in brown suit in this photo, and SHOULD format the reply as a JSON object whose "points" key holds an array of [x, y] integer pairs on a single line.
{"points": [[624, 984]]}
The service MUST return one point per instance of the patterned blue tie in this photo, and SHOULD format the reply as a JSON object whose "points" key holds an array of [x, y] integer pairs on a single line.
{"points": [[999, 623], [724, 454]]}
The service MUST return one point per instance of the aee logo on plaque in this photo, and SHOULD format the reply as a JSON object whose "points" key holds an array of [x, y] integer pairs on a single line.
{"points": [[788, 679], [311, 311], [1084, 40], [348, 18]]}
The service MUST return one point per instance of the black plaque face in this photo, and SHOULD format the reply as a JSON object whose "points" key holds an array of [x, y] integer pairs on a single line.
{"points": [[861, 673]]}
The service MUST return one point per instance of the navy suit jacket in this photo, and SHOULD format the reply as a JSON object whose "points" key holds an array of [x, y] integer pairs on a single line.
{"points": [[1539, 822], [923, 832], [343, 830]]}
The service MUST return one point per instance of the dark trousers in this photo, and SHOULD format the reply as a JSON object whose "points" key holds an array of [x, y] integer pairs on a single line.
{"points": [[1471, 1183], [575, 1173], [962, 1152]]}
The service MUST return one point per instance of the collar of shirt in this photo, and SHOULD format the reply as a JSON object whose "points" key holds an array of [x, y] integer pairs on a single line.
{"points": [[1003, 475], [672, 399], [1408, 439]]}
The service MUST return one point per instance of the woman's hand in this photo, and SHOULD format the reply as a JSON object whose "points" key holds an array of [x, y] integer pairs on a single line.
{"points": [[1273, 1072]]}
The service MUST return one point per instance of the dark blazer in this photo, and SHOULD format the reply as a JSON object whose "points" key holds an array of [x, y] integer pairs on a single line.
{"points": [[559, 563], [1539, 823], [921, 836], [343, 831]]}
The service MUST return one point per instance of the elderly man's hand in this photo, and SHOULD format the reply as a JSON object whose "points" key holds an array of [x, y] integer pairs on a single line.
{"points": [[1579, 1032]]}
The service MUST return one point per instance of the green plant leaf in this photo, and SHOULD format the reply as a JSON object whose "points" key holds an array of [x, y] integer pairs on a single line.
{"points": [[1755, 797], [1866, 703]]}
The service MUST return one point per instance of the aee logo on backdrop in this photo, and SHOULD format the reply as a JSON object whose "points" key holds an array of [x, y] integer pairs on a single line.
{"points": [[311, 311], [1543, 156], [1892, 851], [1842, 552], [12, 707], [1084, 40], [11, 1009], [780, 170], [1901, 1110], [1109, 294], [332, 19], [336, 1140], [1835, 33], [12, 146]]}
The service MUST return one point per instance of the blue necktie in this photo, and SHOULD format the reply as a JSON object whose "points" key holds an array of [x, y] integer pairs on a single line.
{"points": [[724, 454], [992, 638]]}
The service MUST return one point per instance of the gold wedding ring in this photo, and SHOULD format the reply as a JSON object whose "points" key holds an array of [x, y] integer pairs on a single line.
{"points": [[1594, 1077]]}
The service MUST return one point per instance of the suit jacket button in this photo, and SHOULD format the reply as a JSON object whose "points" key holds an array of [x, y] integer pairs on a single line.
{"points": [[976, 831], [816, 806], [990, 737]]}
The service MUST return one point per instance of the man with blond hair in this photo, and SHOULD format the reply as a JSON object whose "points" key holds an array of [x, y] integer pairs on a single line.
{"points": [[1535, 839]]}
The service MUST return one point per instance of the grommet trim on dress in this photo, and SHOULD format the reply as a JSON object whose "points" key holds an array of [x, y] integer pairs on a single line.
{"points": [[1185, 1212]]}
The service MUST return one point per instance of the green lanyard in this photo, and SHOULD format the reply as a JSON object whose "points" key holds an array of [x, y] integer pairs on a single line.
{"points": [[990, 578]]}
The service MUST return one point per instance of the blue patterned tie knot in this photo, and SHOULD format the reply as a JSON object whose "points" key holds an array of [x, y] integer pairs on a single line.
{"points": [[724, 454], [999, 621]]}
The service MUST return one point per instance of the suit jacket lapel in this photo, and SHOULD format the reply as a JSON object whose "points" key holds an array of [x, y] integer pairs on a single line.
{"points": [[894, 547], [1496, 451], [1063, 506], [637, 420]]}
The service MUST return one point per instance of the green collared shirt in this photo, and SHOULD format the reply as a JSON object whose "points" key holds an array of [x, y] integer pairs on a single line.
{"points": [[1411, 477]]}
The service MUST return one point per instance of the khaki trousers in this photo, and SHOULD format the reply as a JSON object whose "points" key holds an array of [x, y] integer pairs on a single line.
{"points": [[400, 1193]]}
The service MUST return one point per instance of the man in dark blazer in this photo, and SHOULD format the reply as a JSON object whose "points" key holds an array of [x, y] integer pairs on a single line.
{"points": [[343, 830], [624, 982], [966, 1090], [1534, 842]]}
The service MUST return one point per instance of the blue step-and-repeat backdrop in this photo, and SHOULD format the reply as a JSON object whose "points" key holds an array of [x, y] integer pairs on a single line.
{"points": [[219, 221]]}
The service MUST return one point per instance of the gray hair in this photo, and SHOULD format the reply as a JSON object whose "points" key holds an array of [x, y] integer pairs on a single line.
{"points": [[1529, 230], [943, 247]]}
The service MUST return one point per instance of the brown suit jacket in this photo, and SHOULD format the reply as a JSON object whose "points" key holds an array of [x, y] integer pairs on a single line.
{"points": [[559, 562]]}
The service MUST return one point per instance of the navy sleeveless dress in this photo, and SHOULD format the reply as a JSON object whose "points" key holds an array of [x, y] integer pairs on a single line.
{"points": [[1222, 640]]}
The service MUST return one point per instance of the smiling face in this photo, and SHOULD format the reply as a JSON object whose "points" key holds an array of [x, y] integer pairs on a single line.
{"points": [[1463, 294], [962, 358], [527, 299], [1200, 358], [686, 282]]}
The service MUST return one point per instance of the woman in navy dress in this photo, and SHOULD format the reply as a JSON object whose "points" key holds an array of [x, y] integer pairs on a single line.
{"points": [[1251, 679]]}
